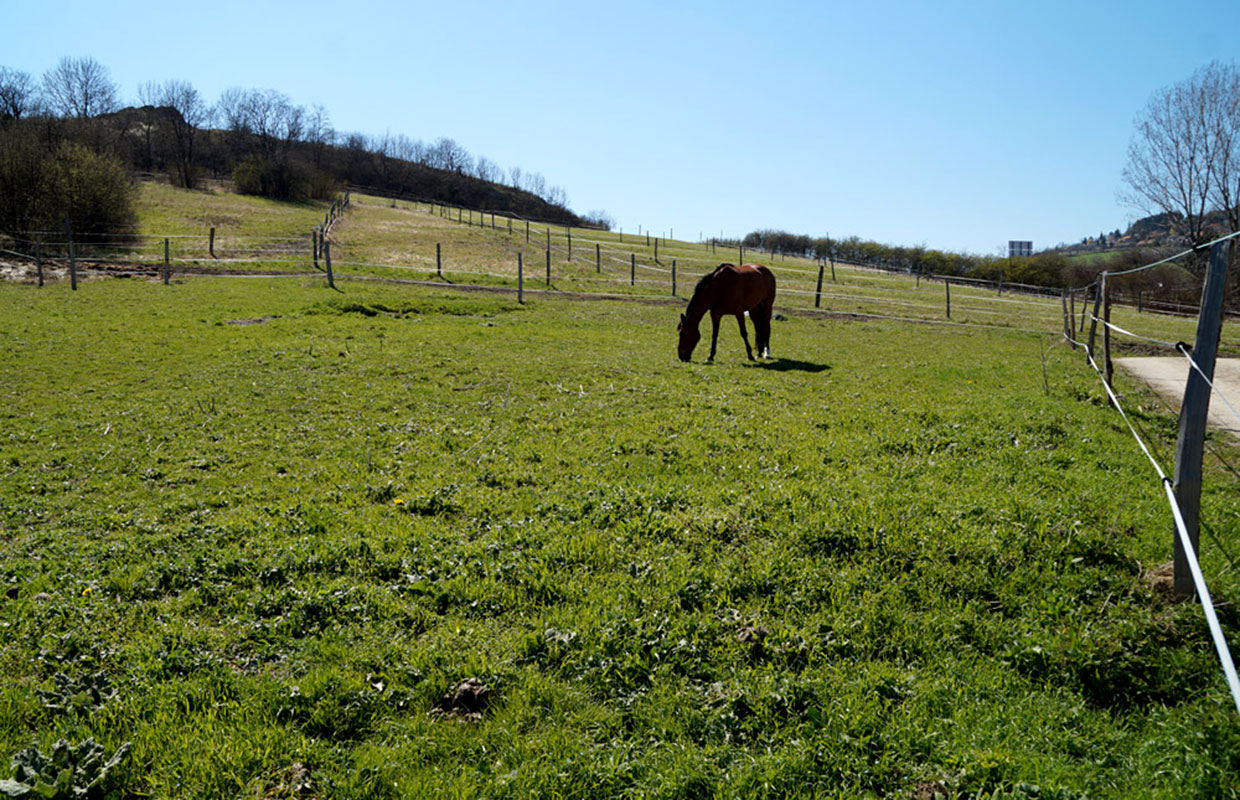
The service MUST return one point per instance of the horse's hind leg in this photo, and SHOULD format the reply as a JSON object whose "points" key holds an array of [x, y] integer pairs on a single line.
{"points": [[762, 326], [740, 318]]}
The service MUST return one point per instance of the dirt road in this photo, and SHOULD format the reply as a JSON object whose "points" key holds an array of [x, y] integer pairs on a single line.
{"points": [[1167, 375]]}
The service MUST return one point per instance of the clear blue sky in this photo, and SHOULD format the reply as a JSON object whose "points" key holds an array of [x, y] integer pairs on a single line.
{"points": [[958, 125]]}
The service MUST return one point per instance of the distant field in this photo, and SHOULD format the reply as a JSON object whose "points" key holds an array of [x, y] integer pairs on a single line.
{"points": [[386, 239], [1095, 258], [286, 522]]}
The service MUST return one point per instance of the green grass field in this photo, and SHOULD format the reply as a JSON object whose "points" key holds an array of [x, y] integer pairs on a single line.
{"points": [[283, 523]]}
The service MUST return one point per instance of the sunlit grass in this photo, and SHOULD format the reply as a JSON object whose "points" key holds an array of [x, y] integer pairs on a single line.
{"points": [[287, 520]]}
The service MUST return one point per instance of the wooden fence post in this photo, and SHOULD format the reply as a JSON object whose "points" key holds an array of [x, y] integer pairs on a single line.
{"points": [[598, 259], [548, 262], [673, 277], [1191, 442], [327, 257], [1067, 318], [569, 233], [438, 261], [947, 286], [72, 260], [741, 250], [656, 251], [211, 243], [314, 246], [38, 261], [832, 270], [818, 291], [632, 269], [1099, 291], [520, 279], [527, 231], [1084, 306], [1107, 368], [167, 264]]}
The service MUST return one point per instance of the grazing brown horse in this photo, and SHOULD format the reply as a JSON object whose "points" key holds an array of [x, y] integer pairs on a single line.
{"points": [[730, 290]]}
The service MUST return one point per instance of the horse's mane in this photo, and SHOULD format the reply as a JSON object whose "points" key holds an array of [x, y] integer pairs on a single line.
{"points": [[703, 281]]}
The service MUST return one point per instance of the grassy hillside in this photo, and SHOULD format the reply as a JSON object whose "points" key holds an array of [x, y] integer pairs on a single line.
{"points": [[288, 524], [380, 238]]}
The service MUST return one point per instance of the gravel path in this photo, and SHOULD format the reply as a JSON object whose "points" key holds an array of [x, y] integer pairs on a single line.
{"points": [[1167, 376]]}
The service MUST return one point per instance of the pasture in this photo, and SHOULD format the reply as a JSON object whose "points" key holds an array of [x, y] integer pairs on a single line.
{"points": [[285, 524]]}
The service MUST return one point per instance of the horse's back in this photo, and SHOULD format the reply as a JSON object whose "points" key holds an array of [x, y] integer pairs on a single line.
{"points": [[758, 282]]}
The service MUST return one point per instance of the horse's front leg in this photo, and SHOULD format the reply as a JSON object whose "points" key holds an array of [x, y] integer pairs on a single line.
{"points": [[740, 318], [714, 333]]}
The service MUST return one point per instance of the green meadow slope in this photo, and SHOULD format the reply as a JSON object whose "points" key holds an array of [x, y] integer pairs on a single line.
{"points": [[402, 540]]}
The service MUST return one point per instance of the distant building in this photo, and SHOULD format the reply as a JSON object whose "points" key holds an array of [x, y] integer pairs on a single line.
{"points": [[1018, 248]]}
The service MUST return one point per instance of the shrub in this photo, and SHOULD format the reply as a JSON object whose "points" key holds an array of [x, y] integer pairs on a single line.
{"points": [[90, 190], [280, 179], [42, 184]]}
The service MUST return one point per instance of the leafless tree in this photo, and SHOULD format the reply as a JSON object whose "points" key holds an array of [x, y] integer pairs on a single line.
{"points": [[487, 170], [447, 154], [535, 184], [319, 132], [1183, 159], [1224, 82], [180, 114], [516, 177], [404, 148], [79, 87], [18, 96], [231, 109]]}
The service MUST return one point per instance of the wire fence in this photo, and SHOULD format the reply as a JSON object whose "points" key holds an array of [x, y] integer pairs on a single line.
{"points": [[1194, 407], [602, 264]]}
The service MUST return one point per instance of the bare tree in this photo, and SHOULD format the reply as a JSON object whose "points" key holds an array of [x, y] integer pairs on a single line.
{"points": [[180, 114], [231, 109], [516, 177], [1183, 158], [79, 87], [404, 148], [535, 184], [487, 170], [319, 132], [447, 154], [18, 97], [1224, 85]]}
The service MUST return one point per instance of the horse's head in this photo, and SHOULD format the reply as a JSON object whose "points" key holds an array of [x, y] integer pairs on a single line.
{"points": [[689, 337]]}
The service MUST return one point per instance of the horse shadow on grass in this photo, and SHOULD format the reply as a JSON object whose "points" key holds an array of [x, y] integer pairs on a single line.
{"points": [[790, 365]]}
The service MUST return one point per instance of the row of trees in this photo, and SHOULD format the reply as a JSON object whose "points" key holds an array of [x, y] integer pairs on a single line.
{"points": [[1050, 269], [260, 139], [1042, 269]]}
